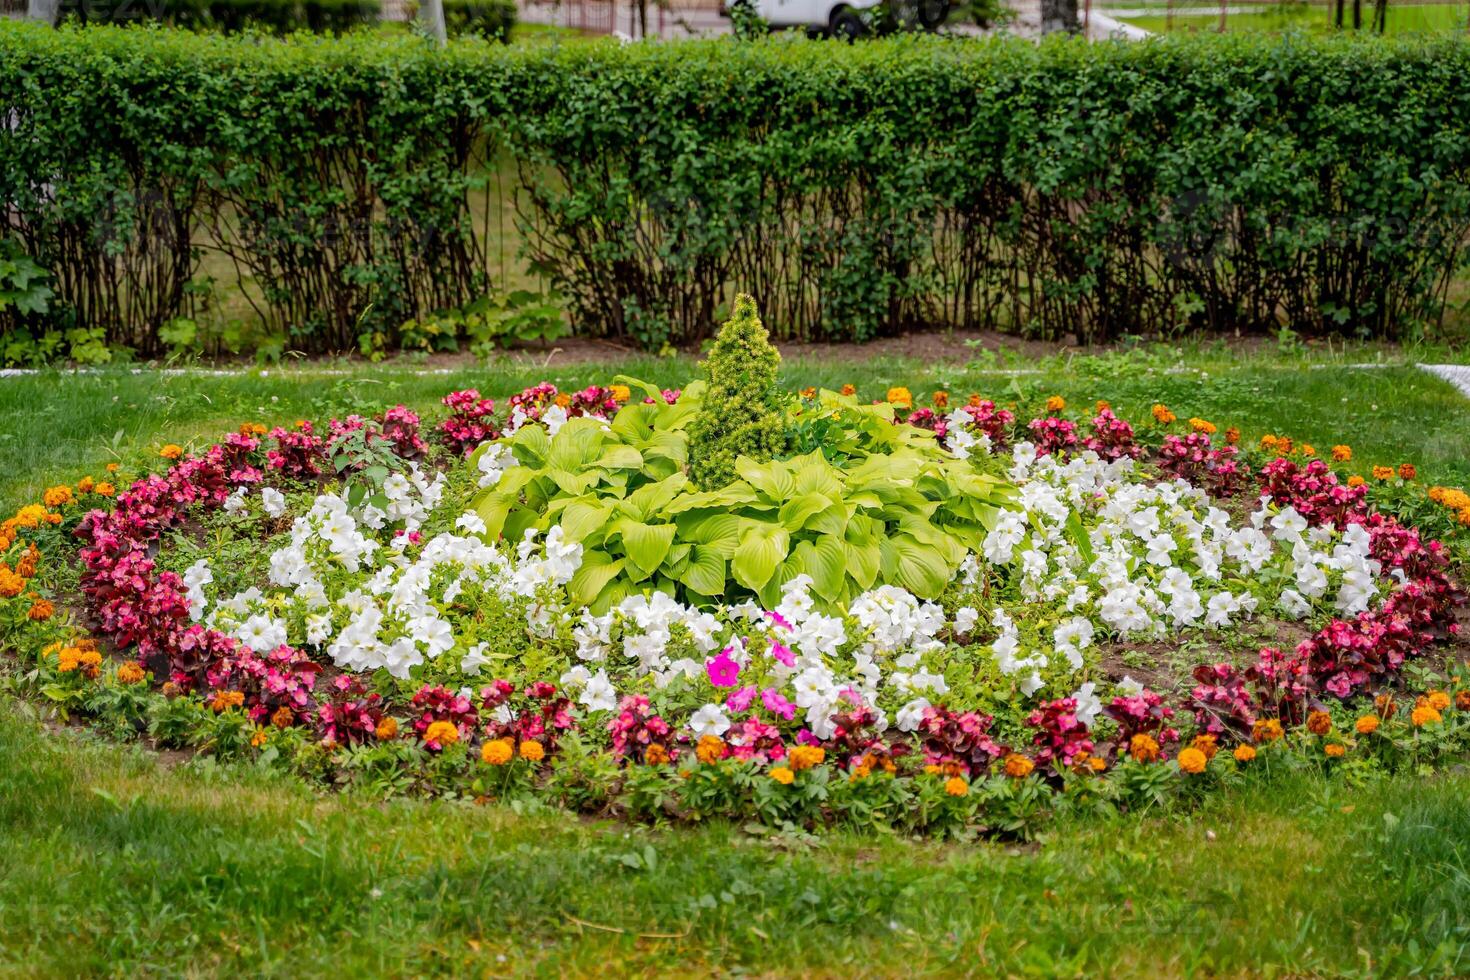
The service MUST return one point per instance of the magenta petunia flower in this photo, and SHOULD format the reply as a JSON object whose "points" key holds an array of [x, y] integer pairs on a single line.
{"points": [[723, 670]]}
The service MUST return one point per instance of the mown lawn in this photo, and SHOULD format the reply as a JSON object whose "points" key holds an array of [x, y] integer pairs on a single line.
{"points": [[111, 862]]}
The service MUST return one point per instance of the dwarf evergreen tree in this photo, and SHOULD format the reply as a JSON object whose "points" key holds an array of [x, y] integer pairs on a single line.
{"points": [[743, 414]]}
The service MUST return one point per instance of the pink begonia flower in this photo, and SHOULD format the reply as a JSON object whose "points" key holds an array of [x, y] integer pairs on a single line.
{"points": [[777, 705]]}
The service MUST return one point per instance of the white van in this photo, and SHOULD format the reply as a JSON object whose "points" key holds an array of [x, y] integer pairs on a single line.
{"points": [[847, 18]]}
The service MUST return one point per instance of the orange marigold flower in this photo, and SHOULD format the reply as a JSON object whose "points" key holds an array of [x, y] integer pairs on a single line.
{"points": [[1200, 425], [57, 496], [1244, 753], [1319, 722], [1143, 748], [941, 399], [783, 775], [1342, 454], [86, 484], [387, 729], [171, 690], [1355, 480], [1192, 760], [859, 772], [901, 397], [1366, 725], [1056, 403], [1097, 763], [1283, 446], [496, 752], [1017, 766], [1438, 700], [1463, 517], [40, 611], [1206, 744], [1425, 715], [621, 393], [1102, 405], [1267, 730], [709, 749], [849, 390], [564, 400], [258, 738], [171, 451], [1268, 442], [26, 567], [806, 756], [112, 467], [1163, 416], [131, 672], [1385, 706], [1307, 449], [532, 750], [1383, 472], [1334, 750], [11, 584], [68, 659], [225, 700], [444, 733], [106, 489], [1462, 700], [1407, 471], [809, 392], [955, 786], [933, 770], [656, 755], [283, 717], [1232, 435]]}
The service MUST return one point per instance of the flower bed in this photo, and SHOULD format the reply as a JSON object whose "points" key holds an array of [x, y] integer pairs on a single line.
{"points": [[508, 605]]}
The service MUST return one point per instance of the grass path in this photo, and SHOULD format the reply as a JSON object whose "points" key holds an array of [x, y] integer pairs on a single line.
{"points": [[111, 863]]}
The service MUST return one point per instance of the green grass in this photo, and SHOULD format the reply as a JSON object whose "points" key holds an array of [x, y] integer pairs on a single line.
{"points": [[1439, 18], [111, 863]]}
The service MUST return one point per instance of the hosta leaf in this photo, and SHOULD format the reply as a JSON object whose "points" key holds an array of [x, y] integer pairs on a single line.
{"points": [[719, 532], [774, 479], [646, 545], [825, 560], [916, 567], [795, 512], [705, 573], [651, 499], [864, 556], [580, 518], [762, 548], [597, 569]]}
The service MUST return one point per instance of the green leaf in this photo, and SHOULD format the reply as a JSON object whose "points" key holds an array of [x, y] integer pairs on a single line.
{"points": [[762, 548], [646, 545], [916, 567], [597, 569], [705, 573], [795, 512]]}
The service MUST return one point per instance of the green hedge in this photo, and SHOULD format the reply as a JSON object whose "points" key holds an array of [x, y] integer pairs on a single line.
{"points": [[1232, 183]]}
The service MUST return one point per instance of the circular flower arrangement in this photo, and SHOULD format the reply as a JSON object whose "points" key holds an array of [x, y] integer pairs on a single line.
{"points": [[941, 619]]}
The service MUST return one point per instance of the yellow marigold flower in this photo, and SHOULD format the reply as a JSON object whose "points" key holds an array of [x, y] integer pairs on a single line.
{"points": [[259, 737], [1355, 480], [497, 752], [710, 749], [532, 750], [849, 390], [1367, 725], [656, 755], [67, 659], [1334, 750], [1056, 403], [1143, 748], [1425, 715], [1244, 753], [621, 393], [1342, 454], [933, 770], [1192, 760], [57, 496], [131, 672], [106, 489], [1200, 425], [901, 397], [1018, 766], [1268, 442], [806, 756], [387, 729], [783, 775], [955, 786], [941, 399], [442, 732], [1438, 700], [1383, 472], [1163, 416], [1319, 722], [171, 451], [1267, 730]]}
